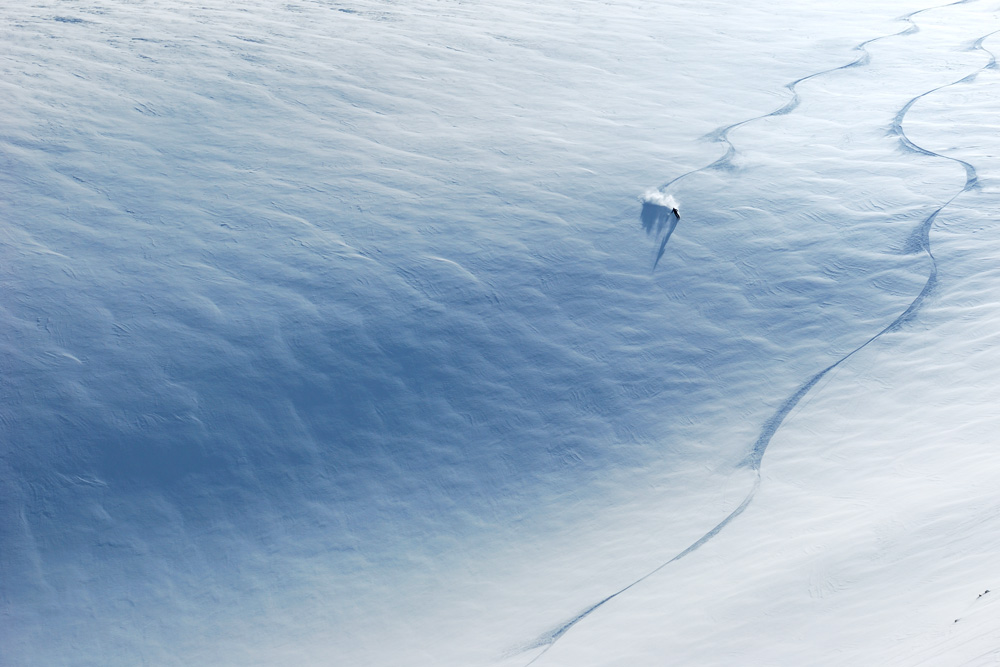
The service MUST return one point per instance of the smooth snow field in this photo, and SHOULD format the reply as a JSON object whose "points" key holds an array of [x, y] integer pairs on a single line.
{"points": [[362, 333]]}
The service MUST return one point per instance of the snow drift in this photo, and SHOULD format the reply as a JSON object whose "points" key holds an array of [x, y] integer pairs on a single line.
{"points": [[330, 335]]}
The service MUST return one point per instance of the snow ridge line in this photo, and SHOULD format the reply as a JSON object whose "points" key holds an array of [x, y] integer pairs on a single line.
{"points": [[921, 241], [721, 135]]}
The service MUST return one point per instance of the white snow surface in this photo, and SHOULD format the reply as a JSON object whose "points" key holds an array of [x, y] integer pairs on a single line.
{"points": [[333, 333]]}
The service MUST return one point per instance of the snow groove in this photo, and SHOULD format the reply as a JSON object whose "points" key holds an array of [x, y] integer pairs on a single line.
{"points": [[919, 242], [721, 135], [551, 638]]}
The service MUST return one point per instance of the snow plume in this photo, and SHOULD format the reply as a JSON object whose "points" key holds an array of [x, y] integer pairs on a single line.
{"points": [[658, 198]]}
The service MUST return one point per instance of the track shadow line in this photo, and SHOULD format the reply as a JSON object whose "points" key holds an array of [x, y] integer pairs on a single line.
{"points": [[721, 135], [755, 457]]}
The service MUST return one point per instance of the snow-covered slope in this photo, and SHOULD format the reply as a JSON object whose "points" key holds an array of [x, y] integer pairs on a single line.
{"points": [[331, 333]]}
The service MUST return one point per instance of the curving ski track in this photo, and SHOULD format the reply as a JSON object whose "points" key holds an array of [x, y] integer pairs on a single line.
{"points": [[721, 135], [920, 241]]}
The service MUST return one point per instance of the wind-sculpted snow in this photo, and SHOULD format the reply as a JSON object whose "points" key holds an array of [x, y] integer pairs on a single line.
{"points": [[721, 135], [328, 334], [921, 242]]}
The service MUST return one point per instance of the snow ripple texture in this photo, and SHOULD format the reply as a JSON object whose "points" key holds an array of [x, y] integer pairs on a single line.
{"points": [[920, 242], [329, 334]]}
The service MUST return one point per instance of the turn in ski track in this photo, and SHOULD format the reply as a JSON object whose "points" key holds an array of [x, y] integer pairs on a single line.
{"points": [[919, 242]]}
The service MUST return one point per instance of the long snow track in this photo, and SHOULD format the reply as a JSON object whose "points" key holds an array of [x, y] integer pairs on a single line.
{"points": [[919, 242]]}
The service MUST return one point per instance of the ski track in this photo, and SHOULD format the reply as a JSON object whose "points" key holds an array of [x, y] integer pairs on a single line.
{"points": [[920, 241], [721, 135]]}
